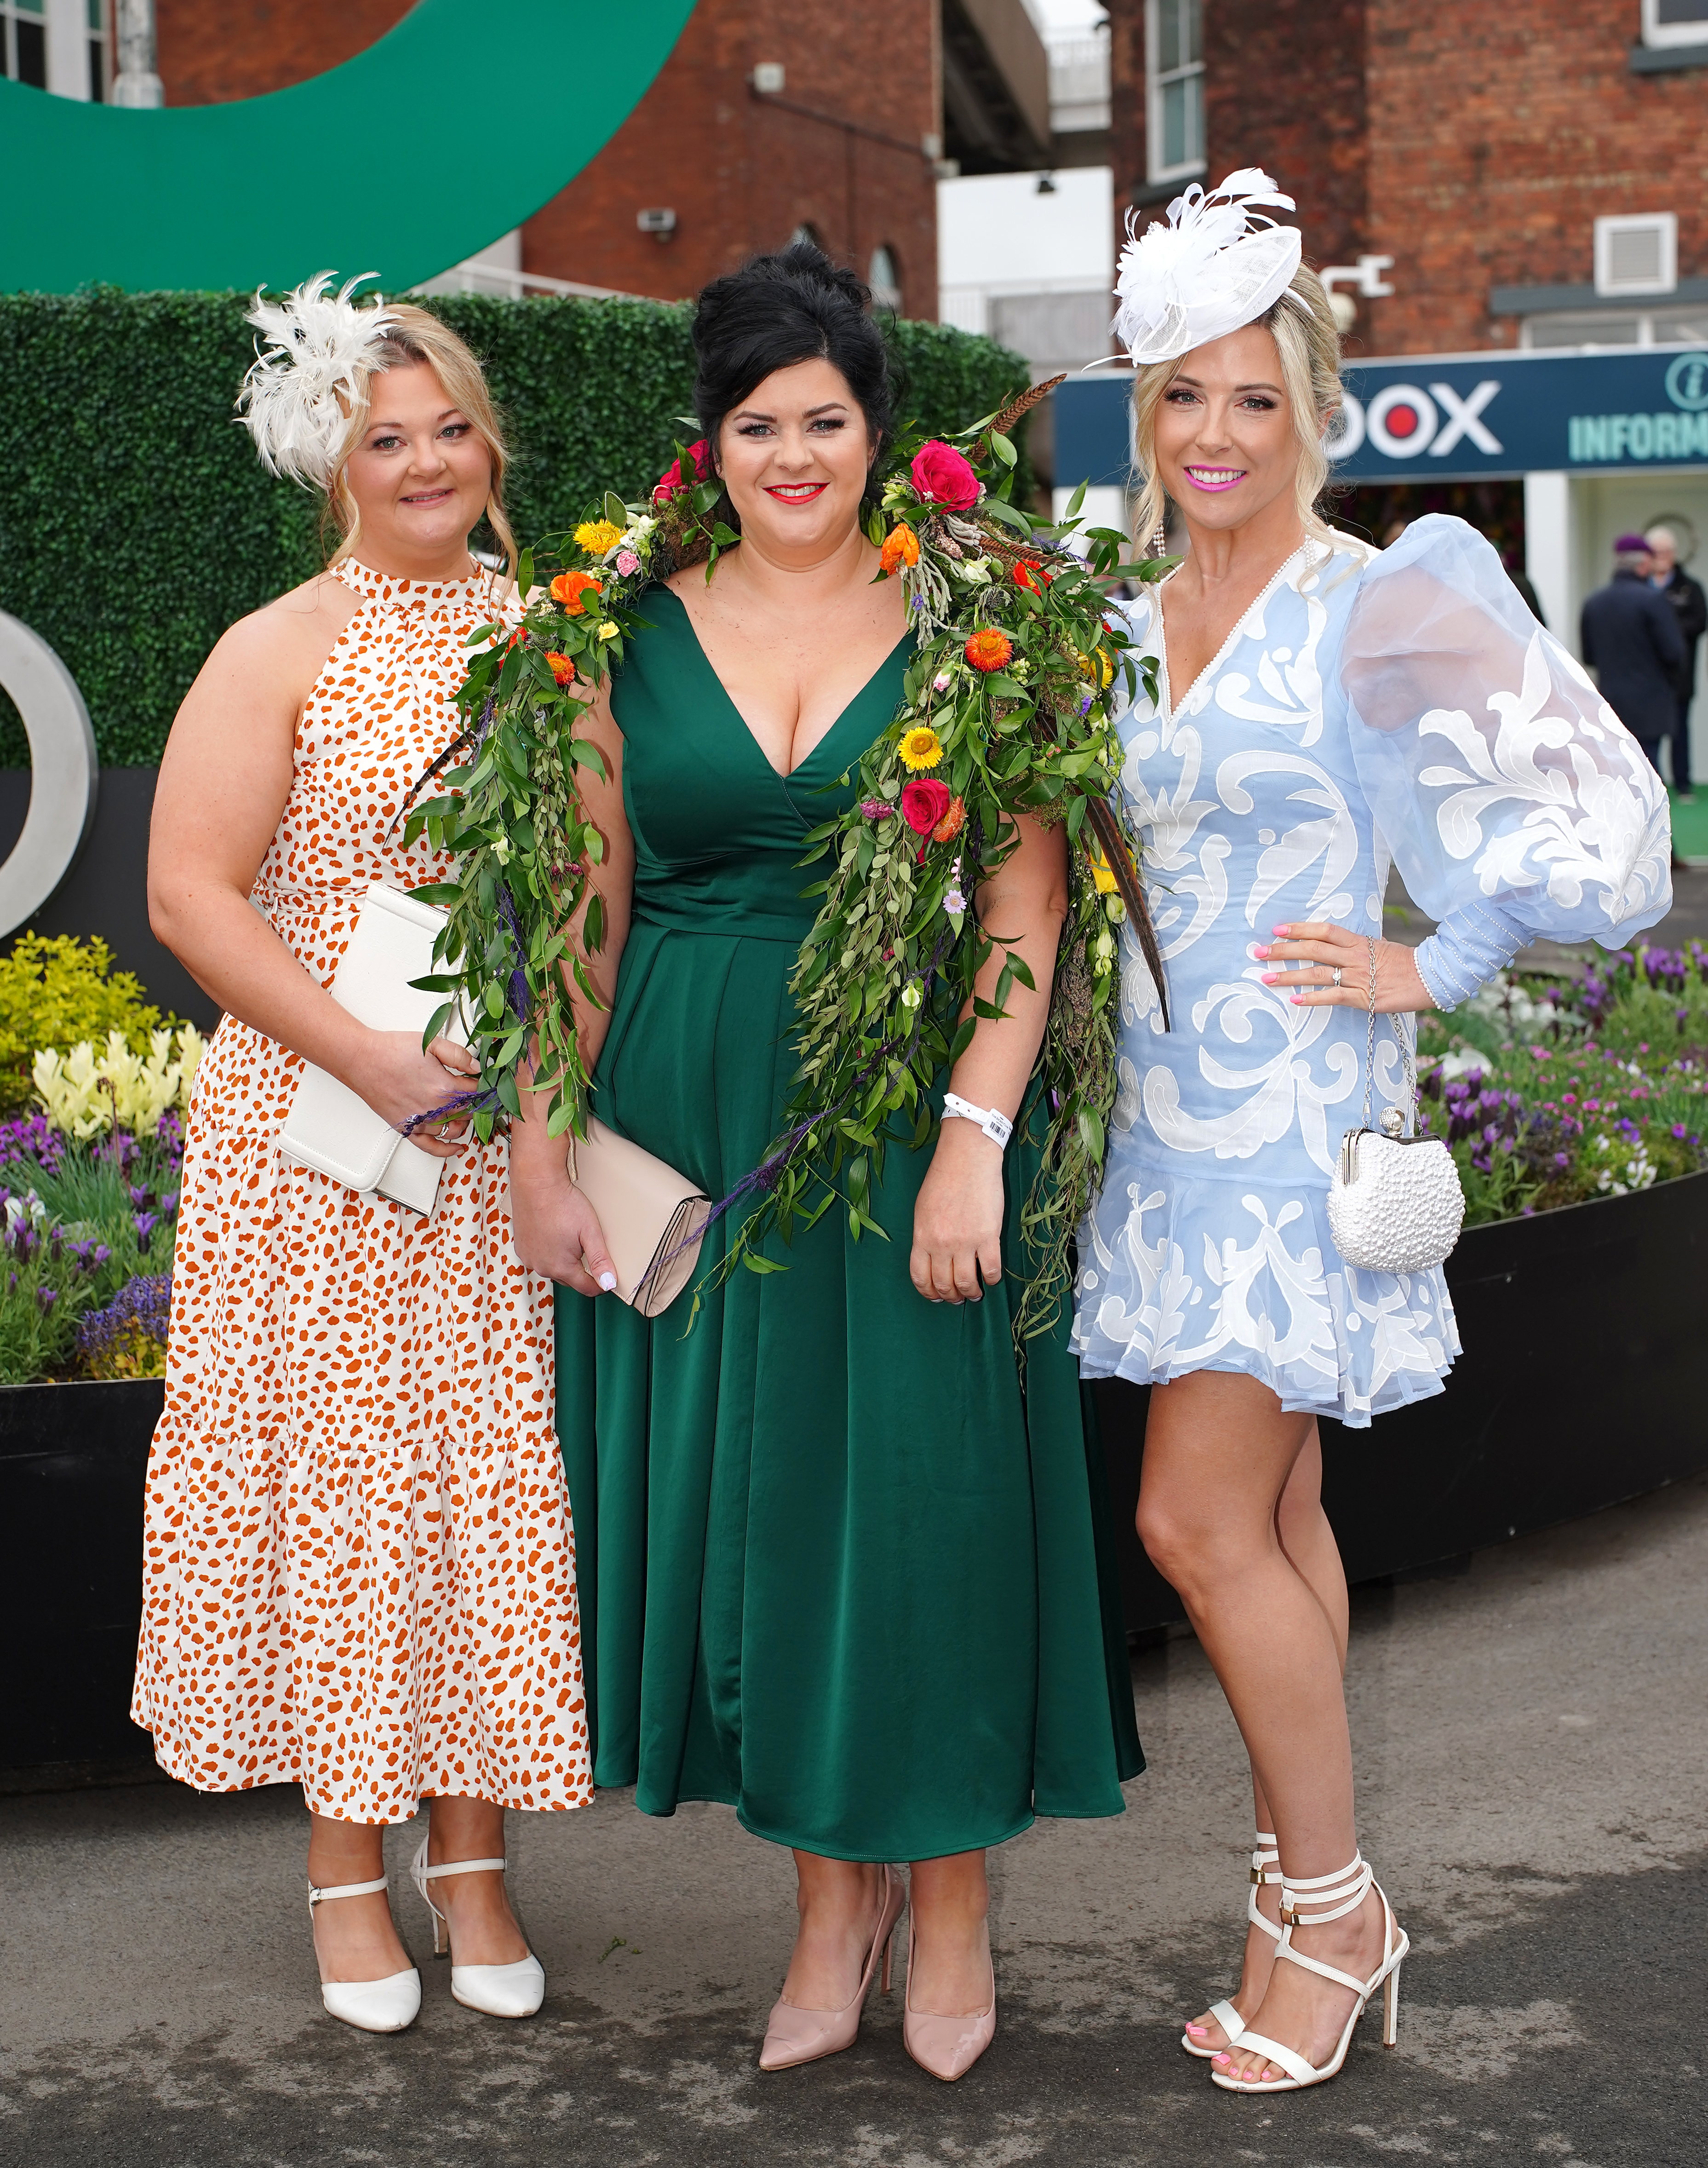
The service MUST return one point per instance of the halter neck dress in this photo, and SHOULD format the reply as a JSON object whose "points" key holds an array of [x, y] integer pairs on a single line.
{"points": [[358, 1574], [837, 1568]]}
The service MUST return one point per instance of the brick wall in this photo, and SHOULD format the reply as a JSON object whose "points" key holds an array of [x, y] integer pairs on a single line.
{"points": [[1497, 135], [212, 50], [741, 173]]}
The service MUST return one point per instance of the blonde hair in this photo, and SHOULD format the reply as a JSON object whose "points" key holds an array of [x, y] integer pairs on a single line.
{"points": [[1307, 342], [414, 335]]}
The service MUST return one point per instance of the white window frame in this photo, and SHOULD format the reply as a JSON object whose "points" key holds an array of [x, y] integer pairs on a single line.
{"points": [[1666, 223], [1658, 33], [1153, 95]]}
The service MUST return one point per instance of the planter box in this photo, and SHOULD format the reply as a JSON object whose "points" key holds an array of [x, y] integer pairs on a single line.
{"points": [[72, 1460], [1583, 1382]]}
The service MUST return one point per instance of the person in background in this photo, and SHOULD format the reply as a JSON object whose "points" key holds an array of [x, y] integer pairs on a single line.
{"points": [[1631, 640], [1521, 579], [1668, 577]]}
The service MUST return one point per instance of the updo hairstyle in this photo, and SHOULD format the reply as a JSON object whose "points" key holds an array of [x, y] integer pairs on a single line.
{"points": [[776, 310], [1307, 342], [416, 336]]}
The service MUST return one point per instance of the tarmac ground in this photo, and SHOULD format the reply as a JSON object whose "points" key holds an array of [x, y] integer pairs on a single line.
{"points": [[1530, 1742]]}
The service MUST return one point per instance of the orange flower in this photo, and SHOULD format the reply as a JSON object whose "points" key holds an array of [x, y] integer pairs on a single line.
{"points": [[1030, 574], [951, 823], [569, 587], [990, 649], [561, 668], [901, 546]]}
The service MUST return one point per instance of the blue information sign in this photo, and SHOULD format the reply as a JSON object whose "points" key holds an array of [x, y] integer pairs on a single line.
{"points": [[1468, 417]]}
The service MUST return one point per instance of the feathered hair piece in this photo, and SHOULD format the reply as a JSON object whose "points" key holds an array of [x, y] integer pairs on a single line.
{"points": [[1216, 265], [312, 361]]}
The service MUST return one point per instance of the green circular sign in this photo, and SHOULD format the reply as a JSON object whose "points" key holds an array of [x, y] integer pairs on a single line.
{"points": [[458, 124]]}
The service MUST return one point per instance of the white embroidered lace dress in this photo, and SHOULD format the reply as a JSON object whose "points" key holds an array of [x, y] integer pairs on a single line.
{"points": [[1369, 706], [358, 1572]]}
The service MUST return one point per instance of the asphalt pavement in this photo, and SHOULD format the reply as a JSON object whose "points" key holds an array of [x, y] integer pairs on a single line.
{"points": [[1531, 1744]]}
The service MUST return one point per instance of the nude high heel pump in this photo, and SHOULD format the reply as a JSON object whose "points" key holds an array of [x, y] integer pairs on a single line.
{"points": [[508, 1990], [794, 2036], [947, 2047], [372, 2006], [1328, 1897], [1265, 1867]]}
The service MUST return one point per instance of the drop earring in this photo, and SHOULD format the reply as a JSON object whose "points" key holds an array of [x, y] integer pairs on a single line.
{"points": [[1159, 539]]}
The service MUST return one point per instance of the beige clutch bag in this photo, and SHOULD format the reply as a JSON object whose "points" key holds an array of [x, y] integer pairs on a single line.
{"points": [[653, 1217]]}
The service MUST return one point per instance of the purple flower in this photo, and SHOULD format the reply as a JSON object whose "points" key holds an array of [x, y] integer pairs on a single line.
{"points": [[139, 1194], [45, 1299], [145, 1223], [1562, 1159], [1679, 1131]]}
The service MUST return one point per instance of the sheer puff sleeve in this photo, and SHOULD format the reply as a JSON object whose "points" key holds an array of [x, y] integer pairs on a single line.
{"points": [[1515, 801]]}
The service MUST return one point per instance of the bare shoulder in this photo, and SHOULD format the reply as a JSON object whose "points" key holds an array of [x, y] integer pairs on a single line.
{"points": [[297, 630]]}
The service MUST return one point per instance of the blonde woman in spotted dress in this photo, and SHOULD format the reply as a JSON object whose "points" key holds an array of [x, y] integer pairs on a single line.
{"points": [[359, 1570]]}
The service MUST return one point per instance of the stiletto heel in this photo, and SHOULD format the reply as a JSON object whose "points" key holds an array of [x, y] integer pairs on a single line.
{"points": [[794, 2036], [506, 1990], [889, 1953], [1328, 1897], [947, 2047], [1265, 1867], [371, 2005]]}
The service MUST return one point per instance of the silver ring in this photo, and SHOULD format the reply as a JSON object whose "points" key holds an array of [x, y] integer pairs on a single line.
{"points": [[1337, 974]]}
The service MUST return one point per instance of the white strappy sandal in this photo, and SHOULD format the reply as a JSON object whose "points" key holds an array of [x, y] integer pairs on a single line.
{"points": [[510, 1990], [1327, 1897], [372, 2006], [1265, 1867]]}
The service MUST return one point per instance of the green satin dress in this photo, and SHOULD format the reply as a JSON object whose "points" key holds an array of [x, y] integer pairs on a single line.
{"points": [[836, 1569]]}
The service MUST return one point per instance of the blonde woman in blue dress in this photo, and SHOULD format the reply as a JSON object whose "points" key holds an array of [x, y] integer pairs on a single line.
{"points": [[1322, 710]]}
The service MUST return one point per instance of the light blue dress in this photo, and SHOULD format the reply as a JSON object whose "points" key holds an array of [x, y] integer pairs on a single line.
{"points": [[1370, 706]]}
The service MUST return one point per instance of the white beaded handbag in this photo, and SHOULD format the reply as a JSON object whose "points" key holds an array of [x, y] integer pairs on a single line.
{"points": [[1395, 1204]]}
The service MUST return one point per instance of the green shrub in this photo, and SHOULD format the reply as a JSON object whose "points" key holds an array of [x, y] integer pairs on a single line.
{"points": [[136, 522], [54, 990]]}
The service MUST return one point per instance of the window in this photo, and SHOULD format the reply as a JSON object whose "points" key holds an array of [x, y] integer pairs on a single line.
{"points": [[26, 40], [884, 279], [1607, 327], [1637, 255], [100, 81], [1174, 41], [1675, 22]]}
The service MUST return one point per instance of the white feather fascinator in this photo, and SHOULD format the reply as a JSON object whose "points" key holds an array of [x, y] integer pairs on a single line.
{"points": [[312, 362], [1216, 265]]}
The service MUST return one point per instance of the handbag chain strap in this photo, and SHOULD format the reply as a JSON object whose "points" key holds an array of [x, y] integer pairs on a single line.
{"points": [[1411, 1071]]}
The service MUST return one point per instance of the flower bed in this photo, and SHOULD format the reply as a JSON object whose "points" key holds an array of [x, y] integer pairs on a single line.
{"points": [[1554, 1092]]}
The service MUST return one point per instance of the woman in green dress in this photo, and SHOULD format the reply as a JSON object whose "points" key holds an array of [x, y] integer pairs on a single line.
{"points": [[838, 1568]]}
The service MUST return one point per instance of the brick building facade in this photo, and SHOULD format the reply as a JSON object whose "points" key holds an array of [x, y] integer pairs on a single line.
{"points": [[847, 148], [1476, 146]]}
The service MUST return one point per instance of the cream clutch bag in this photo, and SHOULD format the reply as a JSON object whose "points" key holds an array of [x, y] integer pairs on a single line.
{"points": [[329, 1127], [654, 1219]]}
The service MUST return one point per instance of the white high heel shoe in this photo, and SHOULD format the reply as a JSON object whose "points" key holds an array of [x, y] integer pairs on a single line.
{"points": [[508, 1990], [1265, 1867], [1329, 1897], [372, 2006]]}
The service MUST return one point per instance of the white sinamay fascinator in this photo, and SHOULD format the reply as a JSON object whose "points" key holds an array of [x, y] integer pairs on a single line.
{"points": [[319, 349], [1216, 265]]}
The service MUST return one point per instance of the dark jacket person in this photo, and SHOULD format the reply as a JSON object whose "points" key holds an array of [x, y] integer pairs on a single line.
{"points": [[1632, 640]]}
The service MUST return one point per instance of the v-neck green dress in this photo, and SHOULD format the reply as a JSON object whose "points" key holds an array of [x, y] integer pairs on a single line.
{"points": [[835, 1568]]}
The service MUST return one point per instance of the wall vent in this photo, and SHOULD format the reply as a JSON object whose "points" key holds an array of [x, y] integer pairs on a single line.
{"points": [[1637, 255]]}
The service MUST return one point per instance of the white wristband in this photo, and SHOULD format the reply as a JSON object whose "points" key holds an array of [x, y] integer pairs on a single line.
{"points": [[997, 1127]]}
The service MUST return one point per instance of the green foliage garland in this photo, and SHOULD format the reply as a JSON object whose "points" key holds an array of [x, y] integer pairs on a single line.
{"points": [[1008, 711], [116, 432]]}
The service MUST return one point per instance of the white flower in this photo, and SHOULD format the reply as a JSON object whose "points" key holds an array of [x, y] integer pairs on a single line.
{"points": [[911, 995]]}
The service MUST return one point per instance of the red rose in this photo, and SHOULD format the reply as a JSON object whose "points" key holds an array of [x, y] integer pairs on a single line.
{"points": [[923, 802], [671, 481], [943, 476]]}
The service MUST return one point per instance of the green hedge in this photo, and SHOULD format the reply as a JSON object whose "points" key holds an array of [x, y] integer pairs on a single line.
{"points": [[136, 523]]}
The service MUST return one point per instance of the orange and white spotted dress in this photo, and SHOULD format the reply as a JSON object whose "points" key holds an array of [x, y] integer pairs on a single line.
{"points": [[360, 1571]]}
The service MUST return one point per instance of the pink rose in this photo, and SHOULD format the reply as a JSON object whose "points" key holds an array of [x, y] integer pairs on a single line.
{"points": [[627, 563], [671, 481], [943, 476], [923, 802]]}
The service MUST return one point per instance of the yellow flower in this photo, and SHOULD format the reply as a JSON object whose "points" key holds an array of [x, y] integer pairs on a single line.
{"points": [[1100, 874], [1103, 668], [597, 536], [921, 747], [609, 631]]}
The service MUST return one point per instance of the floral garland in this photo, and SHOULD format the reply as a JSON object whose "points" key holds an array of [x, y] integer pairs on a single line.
{"points": [[1007, 711]]}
